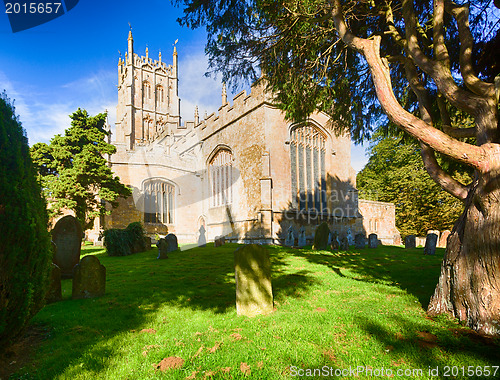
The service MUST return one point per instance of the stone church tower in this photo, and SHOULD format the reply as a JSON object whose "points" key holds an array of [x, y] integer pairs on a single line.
{"points": [[244, 172], [148, 100]]}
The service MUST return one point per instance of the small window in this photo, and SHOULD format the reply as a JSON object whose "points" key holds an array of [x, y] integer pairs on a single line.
{"points": [[159, 95], [146, 91]]}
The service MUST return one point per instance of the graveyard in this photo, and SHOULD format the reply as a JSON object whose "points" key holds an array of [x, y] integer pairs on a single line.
{"points": [[176, 318]]}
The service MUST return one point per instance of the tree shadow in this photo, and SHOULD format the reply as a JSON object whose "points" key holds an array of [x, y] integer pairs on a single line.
{"points": [[409, 270], [428, 345], [199, 279]]}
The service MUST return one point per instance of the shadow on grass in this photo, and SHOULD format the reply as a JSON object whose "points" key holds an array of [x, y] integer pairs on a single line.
{"points": [[409, 270], [430, 346], [200, 279]]}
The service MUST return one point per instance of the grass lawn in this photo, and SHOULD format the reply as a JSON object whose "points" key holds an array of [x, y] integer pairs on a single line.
{"points": [[363, 308]]}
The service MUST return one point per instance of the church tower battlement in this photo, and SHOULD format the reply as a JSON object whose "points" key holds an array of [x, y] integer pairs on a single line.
{"points": [[148, 99]]}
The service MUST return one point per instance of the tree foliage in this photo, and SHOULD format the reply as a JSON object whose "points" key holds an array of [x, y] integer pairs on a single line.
{"points": [[74, 172], [25, 249], [395, 173], [308, 65]]}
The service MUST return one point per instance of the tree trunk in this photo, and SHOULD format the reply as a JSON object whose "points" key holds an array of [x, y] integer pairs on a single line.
{"points": [[469, 284]]}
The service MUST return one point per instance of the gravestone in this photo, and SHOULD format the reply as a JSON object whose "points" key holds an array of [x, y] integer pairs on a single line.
{"points": [[202, 238], [321, 237], [430, 244], [252, 272], [334, 241], [350, 238], [436, 232], [302, 241], [372, 241], [172, 244], [360, 241], [67, 236], [162, 249], [219, 241], [344, 244], [166, 245], [147, 242], [443, 239], [290, 237], [54, 294], [89, 278], [410, 242]]}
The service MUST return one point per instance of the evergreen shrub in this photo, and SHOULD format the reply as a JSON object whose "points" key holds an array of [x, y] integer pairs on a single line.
{"points": [[124, 242], [25, 248]]}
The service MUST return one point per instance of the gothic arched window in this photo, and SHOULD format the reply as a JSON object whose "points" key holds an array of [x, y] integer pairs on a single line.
{"points": [[308, 171], [158, 202], [159, 95], [146, 91], [221, 178]]}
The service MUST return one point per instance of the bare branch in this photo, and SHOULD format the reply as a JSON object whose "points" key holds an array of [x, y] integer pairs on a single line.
{"points": [[437, 70], [460, 132], [443, 179], [446, 122], [473, 83], [468, 154], [440, 49]]}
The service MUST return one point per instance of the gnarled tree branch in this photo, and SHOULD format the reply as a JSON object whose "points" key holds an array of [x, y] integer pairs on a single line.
{"points": [[441, 74], [441, 177], [473, 83], [468, 154], [440, 49]]}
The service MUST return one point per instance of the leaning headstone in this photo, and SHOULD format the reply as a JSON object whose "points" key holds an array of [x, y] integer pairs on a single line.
{"points": [[290, 237], [350, 238], [252, 272], [147, 242], [302, 241], [436, 232], [410, 242], [67, 236], [54, 294], [430, 244], [334, 241], [89, 278], [344, 244], [372, 241], [443, 239], [360, 241], [321, 237]]}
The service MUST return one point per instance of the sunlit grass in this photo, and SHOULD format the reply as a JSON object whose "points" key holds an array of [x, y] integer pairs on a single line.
{"points": [[347, 309]]}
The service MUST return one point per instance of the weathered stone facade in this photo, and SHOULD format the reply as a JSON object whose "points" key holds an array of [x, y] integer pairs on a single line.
{"points": [[244, 172]]}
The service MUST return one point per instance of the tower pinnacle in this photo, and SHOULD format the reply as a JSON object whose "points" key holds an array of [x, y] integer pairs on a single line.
{"points": [[224, 94]]}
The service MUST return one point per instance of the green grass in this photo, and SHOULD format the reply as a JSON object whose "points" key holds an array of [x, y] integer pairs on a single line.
{"points": [[348, 309]]}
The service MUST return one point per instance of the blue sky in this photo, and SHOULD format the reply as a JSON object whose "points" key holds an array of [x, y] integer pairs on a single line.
{"points": [[70, 62]]}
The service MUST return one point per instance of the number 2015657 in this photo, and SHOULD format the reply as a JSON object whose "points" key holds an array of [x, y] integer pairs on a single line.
{"points": [[32, 8]]}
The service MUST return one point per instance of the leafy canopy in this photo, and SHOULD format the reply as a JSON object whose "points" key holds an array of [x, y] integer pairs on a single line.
{"points": [[309, 67], [74, 172]]}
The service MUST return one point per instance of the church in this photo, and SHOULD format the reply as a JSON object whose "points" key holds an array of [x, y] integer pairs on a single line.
{"points": [[243, 172]]}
